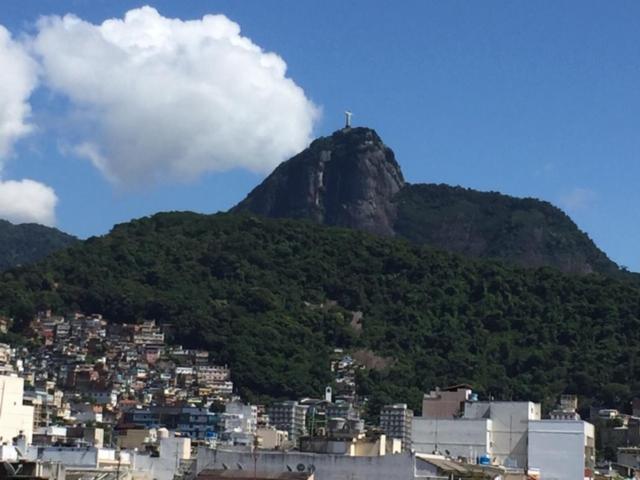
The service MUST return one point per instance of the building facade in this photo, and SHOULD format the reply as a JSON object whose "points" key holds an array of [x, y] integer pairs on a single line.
{"points": [[289, 416], [496, 429], [15, 418], [396, 421], [562, 449], [457, 438], [448, 403], [509, 428]]}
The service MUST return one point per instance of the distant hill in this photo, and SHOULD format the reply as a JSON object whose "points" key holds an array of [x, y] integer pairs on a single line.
{"points": [[29, 242], [274, 297], [524, 231], [352, 179]]}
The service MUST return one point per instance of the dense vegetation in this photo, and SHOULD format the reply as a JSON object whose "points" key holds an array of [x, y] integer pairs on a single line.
{"points": [[255, 292], [28, 243], [524, 231]]}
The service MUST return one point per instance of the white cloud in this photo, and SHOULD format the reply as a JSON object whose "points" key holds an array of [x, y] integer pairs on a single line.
{"points": [[18, 77], [578, 199], [163, 98], [23, 200], [27, 201]]}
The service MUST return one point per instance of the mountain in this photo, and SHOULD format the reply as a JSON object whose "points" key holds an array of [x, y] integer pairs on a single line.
{"points": [[29, 242], [274, 297], [348, 179], [352, 179], [524, 231]]}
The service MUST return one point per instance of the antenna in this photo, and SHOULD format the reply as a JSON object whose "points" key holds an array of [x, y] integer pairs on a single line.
{"points": [[347, 115]]}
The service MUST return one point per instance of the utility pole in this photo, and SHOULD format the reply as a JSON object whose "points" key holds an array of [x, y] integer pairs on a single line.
{"points": [[118, 467], [255, 457]]}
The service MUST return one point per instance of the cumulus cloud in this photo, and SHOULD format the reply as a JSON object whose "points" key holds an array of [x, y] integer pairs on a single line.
{"points": [[18, 78], [23, 200], [578, 199], [27, 201], [157, 98]]}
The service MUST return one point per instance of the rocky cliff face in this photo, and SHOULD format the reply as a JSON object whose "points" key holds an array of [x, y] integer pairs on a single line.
{"points": [[523, 231], [351, 179], [348, 179]]}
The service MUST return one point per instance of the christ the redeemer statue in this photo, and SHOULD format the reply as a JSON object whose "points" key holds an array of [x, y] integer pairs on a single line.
{"points": [[347, 114]]}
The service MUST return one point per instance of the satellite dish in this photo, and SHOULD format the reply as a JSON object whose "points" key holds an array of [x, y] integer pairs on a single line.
{"points": [[312, 468], [300, 467]]}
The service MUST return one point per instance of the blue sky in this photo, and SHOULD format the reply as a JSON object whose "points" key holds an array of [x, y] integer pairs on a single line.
{"points": [[537, 99]]}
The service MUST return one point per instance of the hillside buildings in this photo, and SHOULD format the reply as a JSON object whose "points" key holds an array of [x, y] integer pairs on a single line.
{"points": [[100, 397]]}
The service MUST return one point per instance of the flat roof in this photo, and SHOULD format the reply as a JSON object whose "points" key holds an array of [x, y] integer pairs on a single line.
{"points": [[250, 475]]}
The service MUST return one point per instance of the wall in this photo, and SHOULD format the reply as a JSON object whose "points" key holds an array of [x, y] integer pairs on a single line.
{"points": [[327, 467], [467, 438], [70, 457], [175, 448], [557, 448], [444, 404], [272, 438], [133, 438], [510, 423], [14, 416]]}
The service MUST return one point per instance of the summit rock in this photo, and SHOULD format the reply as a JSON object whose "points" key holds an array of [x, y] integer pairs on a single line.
{"points": [[348, 179], [352, 179]]}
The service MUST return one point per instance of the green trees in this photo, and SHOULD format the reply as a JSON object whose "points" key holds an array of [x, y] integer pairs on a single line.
{"points": [[272, 298], [28, 242]]}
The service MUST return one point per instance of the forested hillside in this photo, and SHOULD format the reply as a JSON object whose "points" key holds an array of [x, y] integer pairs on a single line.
{"points": [[251, 289], [29, 242], [522, 231]]}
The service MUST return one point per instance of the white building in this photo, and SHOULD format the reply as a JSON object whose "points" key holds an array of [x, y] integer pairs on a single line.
{"points": [[562, 449], [396, 420], [15, 418], [496, 429], [239, 417], [174, 454], [509, 428], [289, 416], [466, 438]]}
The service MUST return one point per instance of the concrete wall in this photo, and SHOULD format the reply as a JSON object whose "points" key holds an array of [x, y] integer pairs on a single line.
{"points": [[82, 457], [444, 404], [146, 467], [71, 457], [467, 438], [133, 438], [14, 417], [175, 448], [272, 438], [557, 448], [368, 447], [173, 451], [510, 423], [327, 467]]}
